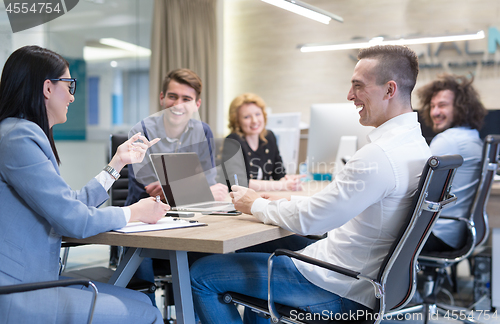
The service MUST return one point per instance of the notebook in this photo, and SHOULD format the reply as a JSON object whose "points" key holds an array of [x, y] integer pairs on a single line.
{"points": [[184, 183]]}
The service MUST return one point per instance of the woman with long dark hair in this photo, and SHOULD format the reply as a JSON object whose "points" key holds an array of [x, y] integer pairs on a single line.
{"points": [[37, 207]]}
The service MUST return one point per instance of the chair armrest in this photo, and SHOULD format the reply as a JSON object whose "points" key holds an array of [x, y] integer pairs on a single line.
{"points": [[42, 285], [319, 263], [456, 218], [52, 284], [437, 206]]}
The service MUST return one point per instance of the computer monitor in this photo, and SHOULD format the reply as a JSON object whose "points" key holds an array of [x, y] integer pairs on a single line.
{"points": [[286, 127], [328, 123]]}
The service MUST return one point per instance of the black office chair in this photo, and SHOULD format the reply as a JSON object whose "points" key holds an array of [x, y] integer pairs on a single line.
{"points": [[435, 264], [118, 192], [491, 157], [489, 167], [396, 280], [12, 289]]}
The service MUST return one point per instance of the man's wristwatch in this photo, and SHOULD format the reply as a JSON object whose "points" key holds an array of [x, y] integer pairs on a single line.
{"points": [[112, 172]]}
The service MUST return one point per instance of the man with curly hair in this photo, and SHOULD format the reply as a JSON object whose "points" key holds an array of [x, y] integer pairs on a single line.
{"points": [[451, 106]]}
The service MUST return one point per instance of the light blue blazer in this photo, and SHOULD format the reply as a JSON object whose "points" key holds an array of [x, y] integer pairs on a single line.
{"points": [[37, 208]]}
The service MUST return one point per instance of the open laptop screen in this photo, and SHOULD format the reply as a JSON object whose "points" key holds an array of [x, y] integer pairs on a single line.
{"points": [[182, 178]]}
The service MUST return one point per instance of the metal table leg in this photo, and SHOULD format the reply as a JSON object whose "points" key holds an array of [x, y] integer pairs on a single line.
{"points": [[181, 283], [127, 267]]}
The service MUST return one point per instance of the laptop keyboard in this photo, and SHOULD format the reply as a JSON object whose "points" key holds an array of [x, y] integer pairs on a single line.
{"points": [[212, 204]]}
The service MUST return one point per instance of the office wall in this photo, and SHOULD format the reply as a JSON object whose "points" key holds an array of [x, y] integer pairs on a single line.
{"points": [[261, 55]]}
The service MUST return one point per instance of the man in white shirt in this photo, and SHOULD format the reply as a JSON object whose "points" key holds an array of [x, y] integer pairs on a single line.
{"points": [[452, 107], [362, 209]]}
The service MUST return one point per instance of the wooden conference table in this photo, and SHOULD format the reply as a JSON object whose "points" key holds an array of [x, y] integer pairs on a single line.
{"points": [[226, 234], [223, 234]]}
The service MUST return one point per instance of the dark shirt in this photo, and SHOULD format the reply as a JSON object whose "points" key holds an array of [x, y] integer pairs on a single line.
{"points": [[267, 157], [136, 190]]}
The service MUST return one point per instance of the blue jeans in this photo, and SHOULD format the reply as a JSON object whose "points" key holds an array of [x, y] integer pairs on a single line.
{"points": [[145, 272], [246, 273], [292, 242]]}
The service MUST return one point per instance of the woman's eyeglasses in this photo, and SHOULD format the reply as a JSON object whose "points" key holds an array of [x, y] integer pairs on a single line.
{"points": [[72, 84]]}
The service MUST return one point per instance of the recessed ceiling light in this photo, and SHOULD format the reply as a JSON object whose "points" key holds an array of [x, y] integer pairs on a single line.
{"points": [[400, 41], [306, 10]]}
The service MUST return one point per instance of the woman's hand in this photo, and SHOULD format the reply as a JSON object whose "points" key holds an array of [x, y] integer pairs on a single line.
{"points": [[219, 191], [148, 210], [291, 183], [272, 197], [131, 151], [294, 176]]}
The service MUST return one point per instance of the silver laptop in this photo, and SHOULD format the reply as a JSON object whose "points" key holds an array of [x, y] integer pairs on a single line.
{"points": [[184, 183]]}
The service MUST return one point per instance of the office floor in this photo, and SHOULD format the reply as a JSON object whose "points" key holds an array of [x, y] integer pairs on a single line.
{"points": [[97, 255]]}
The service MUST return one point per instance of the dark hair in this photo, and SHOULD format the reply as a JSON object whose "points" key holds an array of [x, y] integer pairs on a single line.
{"points": [[467, 106], [183, 76], [21, 86], [397, 63]]}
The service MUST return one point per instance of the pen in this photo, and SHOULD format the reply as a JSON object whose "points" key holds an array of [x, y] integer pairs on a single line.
{"points": [[185, 220], [236, 179], [157, 198]]}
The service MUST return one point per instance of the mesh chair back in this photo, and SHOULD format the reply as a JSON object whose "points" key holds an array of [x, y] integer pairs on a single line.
{"points": [[398, 272], [477, 231], [119, 191], [489, 167]]}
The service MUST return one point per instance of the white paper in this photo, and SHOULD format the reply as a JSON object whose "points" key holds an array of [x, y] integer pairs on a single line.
{"points": [[163, 224]]}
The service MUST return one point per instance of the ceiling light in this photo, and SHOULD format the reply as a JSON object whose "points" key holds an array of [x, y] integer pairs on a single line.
{"points": [[125, 46], [305, 10], [400, 41], [112, 49]]}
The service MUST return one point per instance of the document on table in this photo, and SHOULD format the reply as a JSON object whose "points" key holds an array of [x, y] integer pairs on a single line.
{"points": [[163, 224]]}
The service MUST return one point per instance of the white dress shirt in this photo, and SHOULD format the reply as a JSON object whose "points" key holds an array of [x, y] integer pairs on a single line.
{"points": [[362, 208], [466, 142]]}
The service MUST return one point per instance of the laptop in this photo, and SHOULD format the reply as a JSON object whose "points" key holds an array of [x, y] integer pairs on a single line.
{"points": [[184, 183]]}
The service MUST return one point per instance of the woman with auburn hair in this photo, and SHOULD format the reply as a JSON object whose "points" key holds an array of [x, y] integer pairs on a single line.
{"points": [[38, 208], [247, 122]]}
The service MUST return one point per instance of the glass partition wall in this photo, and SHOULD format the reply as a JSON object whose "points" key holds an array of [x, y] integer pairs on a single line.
{"points": [[107, 43]]}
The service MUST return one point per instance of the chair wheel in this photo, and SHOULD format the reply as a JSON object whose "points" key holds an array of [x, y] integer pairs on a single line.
{"points": [[227, 298]]}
